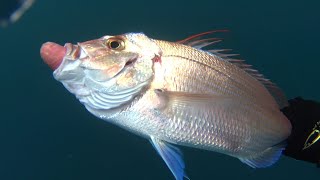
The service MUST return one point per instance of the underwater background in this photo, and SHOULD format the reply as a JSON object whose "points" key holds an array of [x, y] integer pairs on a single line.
{"points": [[46, 134]]}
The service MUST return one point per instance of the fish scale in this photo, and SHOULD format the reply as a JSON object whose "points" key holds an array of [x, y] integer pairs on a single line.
{"points": [[190, 130], [222, 67]]}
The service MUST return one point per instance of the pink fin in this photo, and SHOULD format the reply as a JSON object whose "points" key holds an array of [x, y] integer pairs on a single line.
{"points": [[194, 37]]}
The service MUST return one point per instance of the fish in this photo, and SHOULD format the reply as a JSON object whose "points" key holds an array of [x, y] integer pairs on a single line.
{"points": [[176, 94]]}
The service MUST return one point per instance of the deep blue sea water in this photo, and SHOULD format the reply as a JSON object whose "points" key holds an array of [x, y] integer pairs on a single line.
{"points": [[46, 134]]}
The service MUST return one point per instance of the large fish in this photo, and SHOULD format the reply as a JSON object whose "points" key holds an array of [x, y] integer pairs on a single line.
{"points": [[176, 93]]}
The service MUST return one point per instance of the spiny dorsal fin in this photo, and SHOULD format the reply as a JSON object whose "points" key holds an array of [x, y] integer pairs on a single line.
{"points": [[199, 41], [273, 89]]}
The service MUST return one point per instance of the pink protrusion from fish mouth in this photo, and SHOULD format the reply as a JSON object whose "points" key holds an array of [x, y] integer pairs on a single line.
{"points": [[52, 54]]}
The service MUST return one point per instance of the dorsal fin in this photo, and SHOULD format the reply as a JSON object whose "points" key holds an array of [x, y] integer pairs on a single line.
{"points": [[199, 41]]}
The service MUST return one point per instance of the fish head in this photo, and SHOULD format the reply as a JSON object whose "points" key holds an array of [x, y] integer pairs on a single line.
{"points": [[104, 73]]}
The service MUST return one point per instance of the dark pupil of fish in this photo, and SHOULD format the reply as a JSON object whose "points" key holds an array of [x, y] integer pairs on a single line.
{"points": [[114, 44]]}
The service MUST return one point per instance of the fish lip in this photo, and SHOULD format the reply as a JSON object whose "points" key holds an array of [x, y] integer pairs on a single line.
{"points": [[73, 51], [72, 56]]}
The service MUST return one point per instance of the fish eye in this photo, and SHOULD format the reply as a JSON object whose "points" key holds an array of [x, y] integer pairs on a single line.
{"points": [[115, 43]]}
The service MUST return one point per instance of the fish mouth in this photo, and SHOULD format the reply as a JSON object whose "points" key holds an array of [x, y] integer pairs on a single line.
{"points": [[74, 52], [54, 54], [69, 65]]}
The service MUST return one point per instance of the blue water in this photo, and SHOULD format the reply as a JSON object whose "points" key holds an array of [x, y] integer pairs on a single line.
{"points": [[45, 133]]}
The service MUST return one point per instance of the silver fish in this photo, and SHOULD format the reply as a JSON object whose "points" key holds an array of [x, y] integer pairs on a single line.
{"points": [[176, 93]]}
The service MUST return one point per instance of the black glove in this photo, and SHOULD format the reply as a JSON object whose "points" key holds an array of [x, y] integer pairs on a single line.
{"points": [[304, 141]]}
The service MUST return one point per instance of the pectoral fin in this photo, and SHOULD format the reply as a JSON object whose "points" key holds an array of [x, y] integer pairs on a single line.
{"points": [[175, 98], [185, 105], [172, 157]]}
